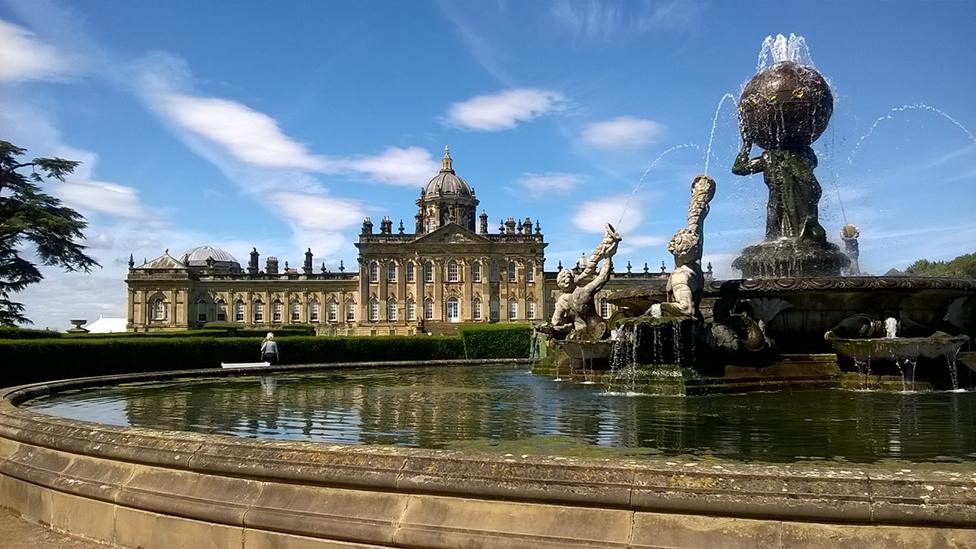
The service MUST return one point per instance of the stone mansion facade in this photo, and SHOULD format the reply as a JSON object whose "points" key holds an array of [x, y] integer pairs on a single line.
{"points": [[451, 269]]}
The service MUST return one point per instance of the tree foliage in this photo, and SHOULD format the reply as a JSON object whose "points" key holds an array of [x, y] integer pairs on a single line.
{"points": [[963, 266], [31, 218]]}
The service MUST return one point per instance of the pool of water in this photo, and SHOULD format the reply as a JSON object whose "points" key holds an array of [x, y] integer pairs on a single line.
{"points": [[509, 410]]}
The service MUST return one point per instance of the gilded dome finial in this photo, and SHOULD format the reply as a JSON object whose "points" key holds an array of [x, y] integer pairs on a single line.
{"points": [[447, 165]]}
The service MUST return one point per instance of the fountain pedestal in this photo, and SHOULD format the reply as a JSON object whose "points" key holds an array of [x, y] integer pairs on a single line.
{"points": [[788, 257]]}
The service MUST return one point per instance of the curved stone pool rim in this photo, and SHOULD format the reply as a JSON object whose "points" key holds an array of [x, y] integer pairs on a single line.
{"points": [[149, 488]]}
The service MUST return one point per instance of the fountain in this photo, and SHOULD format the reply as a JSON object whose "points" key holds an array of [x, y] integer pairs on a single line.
{"points": [[479, 454]]}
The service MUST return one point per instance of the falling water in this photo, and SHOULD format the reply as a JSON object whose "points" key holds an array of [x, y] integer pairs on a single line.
{"points": [[711, 135], [782, 48], [891, 115], [950, 356], [650, 167], [623, 363]]}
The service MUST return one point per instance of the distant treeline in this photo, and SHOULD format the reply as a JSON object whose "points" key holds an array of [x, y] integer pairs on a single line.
{"points": [[963, 266]]}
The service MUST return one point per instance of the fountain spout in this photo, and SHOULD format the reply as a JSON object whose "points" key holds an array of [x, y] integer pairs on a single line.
{"points": [[891, 327]]}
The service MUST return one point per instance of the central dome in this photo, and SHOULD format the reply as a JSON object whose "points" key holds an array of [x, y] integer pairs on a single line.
{"points": [[198, 257], [447, 183]]}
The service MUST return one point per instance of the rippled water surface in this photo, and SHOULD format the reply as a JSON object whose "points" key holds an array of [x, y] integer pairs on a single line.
{"points": [[509, 409]]}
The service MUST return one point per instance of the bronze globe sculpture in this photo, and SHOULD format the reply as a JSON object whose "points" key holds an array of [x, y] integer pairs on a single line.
{"points": [[787, 105], [783, 110]]}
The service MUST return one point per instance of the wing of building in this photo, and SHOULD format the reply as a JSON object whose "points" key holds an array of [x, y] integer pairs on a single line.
{"points": [[451, 269]]}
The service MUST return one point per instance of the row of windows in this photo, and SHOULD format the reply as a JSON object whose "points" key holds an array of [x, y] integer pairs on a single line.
{"points": [[453, 272], [160, 310]]}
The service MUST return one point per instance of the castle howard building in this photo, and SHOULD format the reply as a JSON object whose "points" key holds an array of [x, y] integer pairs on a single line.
{"points": [[452, 268]]}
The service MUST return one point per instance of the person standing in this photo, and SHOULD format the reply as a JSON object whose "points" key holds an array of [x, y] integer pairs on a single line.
{"points": [[269, 349]]}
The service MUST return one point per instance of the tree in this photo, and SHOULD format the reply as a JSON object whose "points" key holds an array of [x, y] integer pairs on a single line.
{"points": [[29, 216], [963, 266]]}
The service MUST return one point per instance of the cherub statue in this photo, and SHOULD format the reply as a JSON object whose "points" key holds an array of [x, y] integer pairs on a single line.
{"points": [[576, 316]]}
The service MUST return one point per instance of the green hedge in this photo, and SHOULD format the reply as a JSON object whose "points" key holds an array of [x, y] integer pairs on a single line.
{"points": [[496, 340], [9, 332], [29, 361], [209, 330], [152, 335]]}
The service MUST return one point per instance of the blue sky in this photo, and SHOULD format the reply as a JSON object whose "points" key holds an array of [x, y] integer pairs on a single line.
{"points": [[281, 125]]}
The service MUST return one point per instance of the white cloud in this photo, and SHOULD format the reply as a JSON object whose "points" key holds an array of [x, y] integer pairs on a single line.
{"points": [[622, 211], [605, 20], [504, 110], [22, 58], [396, 166], [623, 132], [248, 135], [317, 212], [539, 184], [101, 197]]}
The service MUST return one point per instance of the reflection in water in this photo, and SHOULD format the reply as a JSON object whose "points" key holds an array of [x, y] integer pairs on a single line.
{"points": [[504, 408]]}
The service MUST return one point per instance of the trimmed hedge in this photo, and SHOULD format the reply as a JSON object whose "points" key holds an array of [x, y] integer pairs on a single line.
{"points": [[12, 332], [153, 335], [29, 361], [496, 340]]}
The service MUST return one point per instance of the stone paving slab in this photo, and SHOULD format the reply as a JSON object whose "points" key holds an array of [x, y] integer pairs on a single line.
{"points": [[19, 533]]}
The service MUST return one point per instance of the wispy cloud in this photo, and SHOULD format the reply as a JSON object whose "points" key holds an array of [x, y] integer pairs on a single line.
{"points": [[23, 58], [104, 198], [504, 110], [549, 183], [248, 135], [396, 166], [603, 20], [593, 216], [623, 132]]}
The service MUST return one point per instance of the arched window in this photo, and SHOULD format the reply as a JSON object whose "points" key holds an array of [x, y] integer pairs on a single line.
{"points": [[332, 311], [604, 308], [239, 311], [374, 310], [428, 309], [221, 311], [530, 309], [391, 272], [452, 271], [374, 272], [295, 311], [276, 309], [530, 271], [409, 269], [476, 271], [476, 308], [428, 272], [453, 309], [511, 271], [201, 311], [350, 311], [512, 309], [391, 309], [313, 310], [411, 310], [258, 311], [159, 309]]}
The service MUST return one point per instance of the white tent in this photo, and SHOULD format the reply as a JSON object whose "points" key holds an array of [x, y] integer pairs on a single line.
{"points": [[106, 325]]}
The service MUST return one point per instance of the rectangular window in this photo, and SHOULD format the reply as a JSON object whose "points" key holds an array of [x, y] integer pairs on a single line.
{"points": [[276, 311], [512, 309], [313, 312], [409, 271], [428, 310], [374, 272], [530, 272], [452, 271], [374, 311], [239, 312], [350, 312], [222, 311], [411, 310], [428, 272], [530, 309], [476, 271], [333, 308], [511, 271], [476, 309], [391, 310], [296, 311], [391, 272], [258, 311]]}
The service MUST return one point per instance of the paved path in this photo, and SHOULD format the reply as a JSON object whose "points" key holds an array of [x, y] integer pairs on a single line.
{"points": [[20, 534]]}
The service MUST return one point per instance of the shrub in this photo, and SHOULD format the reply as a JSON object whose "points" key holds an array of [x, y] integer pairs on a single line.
{"points": [[7, 332], [496, 340], [34, 360], [154, 335]]}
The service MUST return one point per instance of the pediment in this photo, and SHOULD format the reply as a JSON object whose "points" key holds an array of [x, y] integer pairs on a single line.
{"points": [[452, 233]]}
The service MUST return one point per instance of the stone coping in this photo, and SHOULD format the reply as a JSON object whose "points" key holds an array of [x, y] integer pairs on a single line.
{"points": [[50, 451]]}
